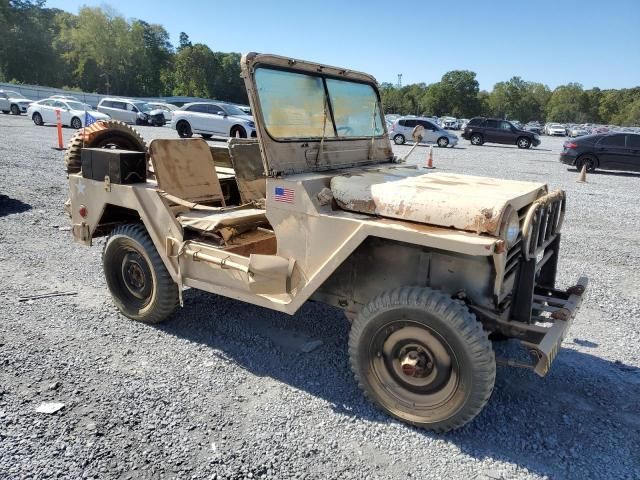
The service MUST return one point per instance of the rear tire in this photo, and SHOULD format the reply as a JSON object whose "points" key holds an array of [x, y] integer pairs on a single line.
{"points": [[184, 129], [139, 283], [37, 119], [523, 142], [399, 139], [588, 160], [477, 139], [443, 142], [423, 358]]}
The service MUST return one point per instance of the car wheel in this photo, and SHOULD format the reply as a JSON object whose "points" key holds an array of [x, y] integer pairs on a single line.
{"points": [[523, 142], [237, 131], [443, 142], [399, 139], [140, 284], [587, 161], [476, 139], [206, 136], [76, 123], [184, 129], [15, 110], [37, 119], [422, 357]]}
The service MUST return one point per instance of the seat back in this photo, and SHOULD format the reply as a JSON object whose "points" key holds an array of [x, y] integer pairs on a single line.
{"points": [[184, 168], [246, 160]]}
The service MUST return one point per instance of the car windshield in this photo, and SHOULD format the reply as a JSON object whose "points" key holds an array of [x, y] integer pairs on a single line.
{"points": [[143, 107], [78, 106], [298, 105], [12, 94], [233, 110]]}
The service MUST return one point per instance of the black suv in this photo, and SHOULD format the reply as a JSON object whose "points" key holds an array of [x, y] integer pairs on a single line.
{"points": [[493, 130]]}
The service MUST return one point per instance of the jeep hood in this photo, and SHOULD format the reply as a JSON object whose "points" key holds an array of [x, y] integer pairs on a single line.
{"points": [[463, 202]]}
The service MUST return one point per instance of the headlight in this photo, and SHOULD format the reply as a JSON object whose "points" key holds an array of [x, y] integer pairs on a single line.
{"points": [[251, 125], [511, 229]]}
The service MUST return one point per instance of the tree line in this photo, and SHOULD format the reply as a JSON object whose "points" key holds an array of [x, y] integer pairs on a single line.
{"points": [[457, 94], [100, 51]]}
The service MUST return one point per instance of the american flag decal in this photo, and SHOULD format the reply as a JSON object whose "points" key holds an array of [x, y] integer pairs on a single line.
{"points": [[286, 195]]}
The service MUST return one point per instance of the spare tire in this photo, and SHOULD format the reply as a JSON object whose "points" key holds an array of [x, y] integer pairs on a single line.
{"points": [[102, 134]]}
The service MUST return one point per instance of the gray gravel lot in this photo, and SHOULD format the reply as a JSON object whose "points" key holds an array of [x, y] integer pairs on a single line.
{"points": [[223, 390]]}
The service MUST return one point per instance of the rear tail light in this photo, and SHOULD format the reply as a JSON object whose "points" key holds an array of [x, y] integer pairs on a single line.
{"points": [[570, 145]]}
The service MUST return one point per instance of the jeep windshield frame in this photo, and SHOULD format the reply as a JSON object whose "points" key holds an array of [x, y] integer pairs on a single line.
{"points": [[311, 117]]}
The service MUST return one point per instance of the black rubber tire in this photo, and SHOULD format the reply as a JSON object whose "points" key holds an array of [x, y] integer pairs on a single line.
{"points": [[159, 299], [102, 134], [37, 119], [523, 142], [415, 309], [399, 139], [589, 160], [184, 129], [443, 142], [237, 129], [476, 139], [206, 136], [76, 123], [15, 110]]}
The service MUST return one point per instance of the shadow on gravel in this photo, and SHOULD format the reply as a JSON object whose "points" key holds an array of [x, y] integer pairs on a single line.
{"points": [[586, 408], [10, 205], [611, 173]]}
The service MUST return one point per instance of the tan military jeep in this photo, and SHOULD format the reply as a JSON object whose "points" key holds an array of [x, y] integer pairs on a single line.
{"points": [[426, 265]]}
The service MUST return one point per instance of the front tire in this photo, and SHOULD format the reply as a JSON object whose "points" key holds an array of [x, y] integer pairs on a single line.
{"points": [[476, 139], [15, 110], [443, 142], [139, 283], [423, 358], [37, 119], [184, 129], [76, 123], [238, 131], [399, 139], [523, 142]]}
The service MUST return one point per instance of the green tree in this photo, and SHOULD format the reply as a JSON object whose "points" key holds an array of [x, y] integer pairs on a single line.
{"points": [[568, 103], [194, 71]]}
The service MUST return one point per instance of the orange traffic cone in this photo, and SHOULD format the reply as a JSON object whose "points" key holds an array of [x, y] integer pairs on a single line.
{"points": [[582, 178], [430, 158], [59, 128]]}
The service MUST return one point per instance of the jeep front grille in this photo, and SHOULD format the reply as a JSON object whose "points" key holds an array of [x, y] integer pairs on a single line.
{"points": [[542, 222]]}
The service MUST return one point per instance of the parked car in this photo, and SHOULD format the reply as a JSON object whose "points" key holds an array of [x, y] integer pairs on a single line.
{"points": [[209, 119], [608, 151], [13, 102], [533, 127], [578, 131], [167, 109], [402, 128], [132, 111], [65, 97], [555, 129], [245, 108], [463, 123], [494, 130], [72, 113], [450, 123]]}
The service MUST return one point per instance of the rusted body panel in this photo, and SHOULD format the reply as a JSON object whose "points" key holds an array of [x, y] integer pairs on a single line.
{"points": [[464, 202]]}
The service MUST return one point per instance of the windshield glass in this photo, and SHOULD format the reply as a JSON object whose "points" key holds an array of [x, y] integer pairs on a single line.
{"points": [[233, 110], [295, 105], [78, 106], [143, 107], [12, 94]]}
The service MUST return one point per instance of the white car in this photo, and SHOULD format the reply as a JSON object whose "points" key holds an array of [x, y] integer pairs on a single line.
{"points": [[72, 113], [13, 102], [450, 123], [556, 129], [212, 118], [167, 109], [132, 111]]}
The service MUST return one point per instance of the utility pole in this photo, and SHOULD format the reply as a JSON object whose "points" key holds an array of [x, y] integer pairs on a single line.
{"points": [[399, 80]]}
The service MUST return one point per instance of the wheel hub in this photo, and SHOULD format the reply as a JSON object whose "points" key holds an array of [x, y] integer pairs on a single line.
{"points": [[415, 362], [134, 275]]}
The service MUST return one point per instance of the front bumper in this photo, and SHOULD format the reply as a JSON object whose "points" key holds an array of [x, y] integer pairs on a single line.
{"points": [[535, 141], [562, 306]]}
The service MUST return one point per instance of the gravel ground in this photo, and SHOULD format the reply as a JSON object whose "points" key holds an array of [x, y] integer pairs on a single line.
{"points": [[224, 390]]}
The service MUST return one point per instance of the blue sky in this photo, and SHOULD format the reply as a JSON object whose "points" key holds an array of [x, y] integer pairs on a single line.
{"points": [[592, 42]]}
